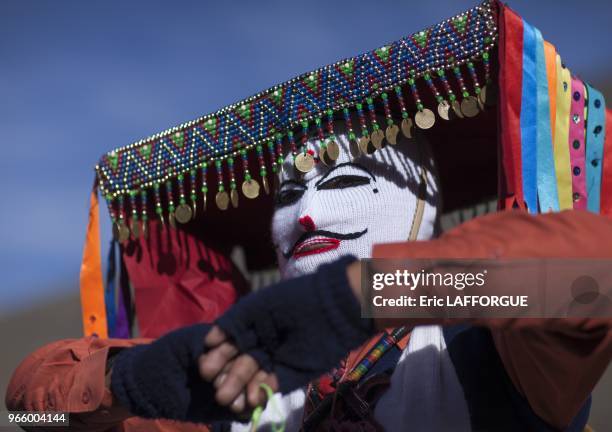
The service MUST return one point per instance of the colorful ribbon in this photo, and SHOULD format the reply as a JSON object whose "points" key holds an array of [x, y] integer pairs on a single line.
{"points": [[547, 182], [529, 120], [561, 150], [92, 291], [595, 132], [577, 120]]}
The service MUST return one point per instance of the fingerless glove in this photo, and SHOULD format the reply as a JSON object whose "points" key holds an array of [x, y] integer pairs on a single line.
{"points": [[300, 328], [161, 379]]}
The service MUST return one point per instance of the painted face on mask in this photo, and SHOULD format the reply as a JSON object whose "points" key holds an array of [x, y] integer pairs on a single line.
{"points": [[347, 207]]}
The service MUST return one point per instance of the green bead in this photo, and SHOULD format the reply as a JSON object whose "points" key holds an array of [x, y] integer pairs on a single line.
{"points": [[420, 106], [247, 177], [317, 121], [330, 112], [404, 114], [375, 126], [193, 197], [180, 177], [359, 106], [232, 184], [258, 147], [171, 208], [427, 76], [352, 135], [262, 172], [158, 210], [452, 97], [477, 90], [410, 81], [441, 72], [390, 122], [465, 94], [439, 98], [182, 200], [369, 100], [384, 96], [485, 55], [221, 188]]}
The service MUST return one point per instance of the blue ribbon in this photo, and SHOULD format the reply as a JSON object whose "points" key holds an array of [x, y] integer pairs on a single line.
{"points": [[546, 178], [529, 119], [595, 136]]}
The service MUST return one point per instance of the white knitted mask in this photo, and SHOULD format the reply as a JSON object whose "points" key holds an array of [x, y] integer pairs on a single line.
{"points": [[351, 205]]}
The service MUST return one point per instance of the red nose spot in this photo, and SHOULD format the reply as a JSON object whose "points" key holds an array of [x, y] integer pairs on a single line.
{"points": [[307, 223]]}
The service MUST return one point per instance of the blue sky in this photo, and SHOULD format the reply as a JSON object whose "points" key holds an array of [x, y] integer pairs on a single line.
{"points": [[78, 78]]}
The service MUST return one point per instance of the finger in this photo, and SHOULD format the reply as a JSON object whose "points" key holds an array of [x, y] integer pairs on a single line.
{"points": [[239, 404], [211, 363], [215, 337], [222, 375], [237, 379], [256, 396]]}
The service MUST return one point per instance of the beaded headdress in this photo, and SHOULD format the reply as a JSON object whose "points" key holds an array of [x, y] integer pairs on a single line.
{"points": [[506, 117]]}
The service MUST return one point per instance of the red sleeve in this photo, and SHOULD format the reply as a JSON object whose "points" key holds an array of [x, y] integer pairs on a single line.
{"points": [[556, 363], [69, 375]]}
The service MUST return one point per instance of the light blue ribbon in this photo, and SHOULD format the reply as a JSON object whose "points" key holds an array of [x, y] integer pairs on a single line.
{"points": [[529, 119], [596, 122], [546, 178]]}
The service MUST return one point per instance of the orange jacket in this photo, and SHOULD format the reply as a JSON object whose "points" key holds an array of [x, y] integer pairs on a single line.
{"points": [[554, 363]]}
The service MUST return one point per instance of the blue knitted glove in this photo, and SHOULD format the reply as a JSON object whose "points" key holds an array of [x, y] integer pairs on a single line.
{"points": [[161, 379], [299, 328]]}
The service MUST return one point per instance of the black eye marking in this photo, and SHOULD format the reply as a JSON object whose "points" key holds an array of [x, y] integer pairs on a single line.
{"points": [[288, 195], [352, 164], [375, 191], [343, 182]]}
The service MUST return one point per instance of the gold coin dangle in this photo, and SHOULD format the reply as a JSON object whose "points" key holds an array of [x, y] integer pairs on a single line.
{"points": [[444, 110], [222, 200], [250, 188], [469, 106], [425, 118], [304, 162], [407, 127], [377, 138], [391, 133], [183, 213]]}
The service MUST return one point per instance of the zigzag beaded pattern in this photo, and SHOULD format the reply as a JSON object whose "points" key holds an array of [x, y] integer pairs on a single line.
{"points": [[259, 118]]}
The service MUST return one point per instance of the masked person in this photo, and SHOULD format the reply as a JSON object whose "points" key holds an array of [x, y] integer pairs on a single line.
{"points": [[353, 143]]}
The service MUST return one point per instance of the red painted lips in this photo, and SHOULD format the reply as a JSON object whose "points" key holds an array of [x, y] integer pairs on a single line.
{"points": [[314, 246]]}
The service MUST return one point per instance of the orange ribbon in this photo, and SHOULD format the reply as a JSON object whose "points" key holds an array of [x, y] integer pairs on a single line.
{"points": [[92, 284]]}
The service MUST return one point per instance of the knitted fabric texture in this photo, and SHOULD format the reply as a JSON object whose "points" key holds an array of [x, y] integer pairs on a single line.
{"points": [[325, 314], [161, 379], [349, 206]]}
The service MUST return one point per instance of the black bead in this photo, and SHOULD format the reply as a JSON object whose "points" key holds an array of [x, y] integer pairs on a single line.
{"points": [[595, 162], [576, 144], [576, 196], [576, 171], [597, 103], [576, 96], [597, 130]]}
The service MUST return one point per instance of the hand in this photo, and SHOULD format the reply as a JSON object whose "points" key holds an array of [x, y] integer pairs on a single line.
{"points": [[294, 331], [162, 380], [236, 378]]}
